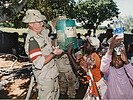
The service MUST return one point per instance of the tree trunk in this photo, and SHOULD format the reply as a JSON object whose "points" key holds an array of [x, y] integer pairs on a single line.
{"points": [[7, 12]]}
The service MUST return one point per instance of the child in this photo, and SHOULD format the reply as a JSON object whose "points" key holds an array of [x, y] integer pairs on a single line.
{"points": [[89, 71], [91, 64], [118, 70]]}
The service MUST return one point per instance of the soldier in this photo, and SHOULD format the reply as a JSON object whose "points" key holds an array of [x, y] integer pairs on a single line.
{"points": [[67, 79], [39, 49]]}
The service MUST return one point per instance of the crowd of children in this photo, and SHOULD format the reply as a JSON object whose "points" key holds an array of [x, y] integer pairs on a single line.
{"points": [[108, 74]]}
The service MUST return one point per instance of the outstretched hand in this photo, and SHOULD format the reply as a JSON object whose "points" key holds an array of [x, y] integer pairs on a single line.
{"points": [[69, 48]]}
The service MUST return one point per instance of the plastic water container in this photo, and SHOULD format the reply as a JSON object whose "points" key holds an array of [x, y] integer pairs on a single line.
{"points": [[132, 61], [118, 49], [118, 28], [66, 33]]}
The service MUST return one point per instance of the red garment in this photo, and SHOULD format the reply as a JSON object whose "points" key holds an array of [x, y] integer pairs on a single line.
{"points": [[95, 73], [96, 70]]}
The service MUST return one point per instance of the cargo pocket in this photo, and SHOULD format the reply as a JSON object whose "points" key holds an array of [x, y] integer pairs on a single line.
{"points": [[66, 60], [46, 90], [47, 86]]}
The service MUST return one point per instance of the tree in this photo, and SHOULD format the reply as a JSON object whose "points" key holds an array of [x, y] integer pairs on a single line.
{"points": [[92, 12], [50, 8], [89, 12], [10, 8], [128, 23]]}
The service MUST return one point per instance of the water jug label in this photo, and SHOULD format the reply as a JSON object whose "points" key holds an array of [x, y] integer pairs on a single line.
{"points": [[70, 32], [60, 36]]}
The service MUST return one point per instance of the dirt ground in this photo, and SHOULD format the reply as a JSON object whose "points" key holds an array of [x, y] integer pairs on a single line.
{"points": [[18, 76]]}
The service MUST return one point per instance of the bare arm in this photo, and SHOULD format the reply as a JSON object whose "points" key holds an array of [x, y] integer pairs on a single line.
{"points": [[105, 62], [124, 56], [72, 60]]}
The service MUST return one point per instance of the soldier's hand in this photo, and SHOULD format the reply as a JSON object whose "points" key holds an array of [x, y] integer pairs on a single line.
{"points": [[58, 51]]}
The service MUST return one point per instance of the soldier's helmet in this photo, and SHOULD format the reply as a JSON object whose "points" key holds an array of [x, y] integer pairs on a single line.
{"points": [[33, 15]]}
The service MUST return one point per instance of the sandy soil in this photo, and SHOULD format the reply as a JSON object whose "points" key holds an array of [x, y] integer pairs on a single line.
{"points": [[18, 86]]}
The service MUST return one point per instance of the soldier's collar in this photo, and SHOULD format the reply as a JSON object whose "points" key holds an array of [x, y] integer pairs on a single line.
{"points": [[33, 33]]}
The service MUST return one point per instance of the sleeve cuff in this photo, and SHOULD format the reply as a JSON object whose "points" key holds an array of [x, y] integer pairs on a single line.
{"points": [[108, 56], [39, 63]]}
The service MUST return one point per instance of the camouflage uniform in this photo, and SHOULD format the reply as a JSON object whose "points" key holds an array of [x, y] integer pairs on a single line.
{"points": [[46, 75], [67, 78]]}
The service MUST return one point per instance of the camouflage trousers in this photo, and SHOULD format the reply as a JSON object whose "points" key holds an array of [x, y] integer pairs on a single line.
{"points": [[68, 82], [49, 91]]}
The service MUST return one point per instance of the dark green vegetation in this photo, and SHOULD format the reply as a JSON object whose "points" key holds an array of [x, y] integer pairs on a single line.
{"points": [[90, 12]]}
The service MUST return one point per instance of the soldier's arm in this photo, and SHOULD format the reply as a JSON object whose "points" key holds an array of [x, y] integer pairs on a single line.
{"points": [[35, 54]]}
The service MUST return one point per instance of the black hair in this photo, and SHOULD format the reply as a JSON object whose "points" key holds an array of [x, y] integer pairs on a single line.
{"points": [[91, 48], [114, 54]]}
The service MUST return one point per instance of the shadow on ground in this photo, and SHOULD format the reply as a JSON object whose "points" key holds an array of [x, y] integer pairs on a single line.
{"points": [[6, 93]]}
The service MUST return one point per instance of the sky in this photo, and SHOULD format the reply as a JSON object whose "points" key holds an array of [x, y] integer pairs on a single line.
{"points": [[125, 7]]}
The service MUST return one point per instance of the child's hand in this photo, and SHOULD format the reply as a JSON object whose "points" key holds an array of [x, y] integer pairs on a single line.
{"points": [[84, 65], [113, 43], [124, 56], [69, 48]]}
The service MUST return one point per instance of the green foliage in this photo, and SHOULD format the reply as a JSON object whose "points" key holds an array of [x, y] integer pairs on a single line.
{"points": [[89, 12], [6, 24], [128, 23], [50, 8], [93, 12]]}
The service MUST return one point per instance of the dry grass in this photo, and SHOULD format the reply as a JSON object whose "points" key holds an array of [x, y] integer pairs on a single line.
{"points": [[24, 30], [83, 31], [11, 30]]}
